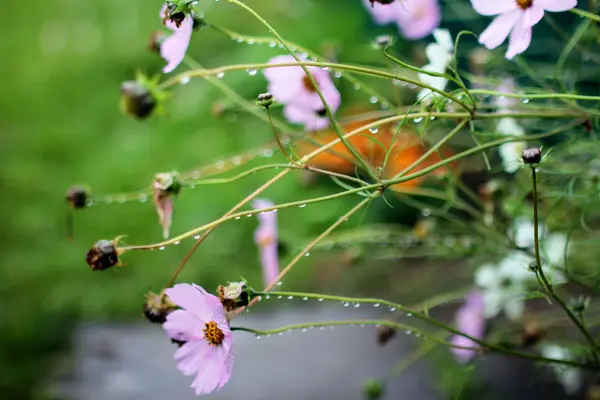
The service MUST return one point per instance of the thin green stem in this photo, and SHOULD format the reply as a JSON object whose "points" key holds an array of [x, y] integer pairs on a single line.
{"points": [[281, 148], [542, 276], [537, 96], [585, 14]]}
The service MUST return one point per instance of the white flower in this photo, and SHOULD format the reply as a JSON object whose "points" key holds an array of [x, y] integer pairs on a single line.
{"points": [[569, 377], [511, 154], [439, 55], [503, 285]]}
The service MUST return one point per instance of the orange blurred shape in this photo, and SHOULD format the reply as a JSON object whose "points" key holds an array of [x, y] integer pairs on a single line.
{"points": [[406, 148]]}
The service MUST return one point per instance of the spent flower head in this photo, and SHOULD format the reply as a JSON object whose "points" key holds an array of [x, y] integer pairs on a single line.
{"points": [[174, 47], [165, 185], [103, 255], [202, 326]]}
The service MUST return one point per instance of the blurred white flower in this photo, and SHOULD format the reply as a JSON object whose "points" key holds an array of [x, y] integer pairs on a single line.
{"points": [[569, 377], [503, 284], [439, 55], [511, 156]]}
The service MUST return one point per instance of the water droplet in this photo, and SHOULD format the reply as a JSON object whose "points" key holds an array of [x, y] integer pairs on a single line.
{"points": [[239, 39], [280, 45], [432, 117], [267, 297], [257, 337], [196, 175], [177, 242], [356, 305], [220, 75], [250, 41], [249, 215], [322, 328], [184, 80], [376, 305], [238, 217], [279, 297], [252, 71], [384, 106], [280, 333], [326, 69], [272, 44], [302, 205], [121, 200], [279, 283], [525, 101], [89, 202], [303, 330], [161, 248], [320, 299], [409, 314], [290, 297], [362, 325], [408, 332], [426, 212], [417, 120], [356, 86], [373, 99], [331, 327], [346, 304], [196, 236], [392, 309], [267, 153], [338, 74], [374, 130], [142, 198], [305, 298], [307, 254]]}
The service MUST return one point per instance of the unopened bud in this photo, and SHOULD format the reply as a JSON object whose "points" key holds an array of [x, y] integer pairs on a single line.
{"points": [[77, 197], [137, 100], [103, 255], [532, 156], [385, 334], [373, 389], [157, 307], [265, 100]]}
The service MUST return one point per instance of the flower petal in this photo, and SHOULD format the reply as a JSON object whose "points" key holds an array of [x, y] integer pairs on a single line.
{"points": [[556, 5], [182, 325], [173, 48], [494, 7], [190, 356], [496, 33], [486, 276], [193, 299], [520, 39], [533, 15], [418, 18]]}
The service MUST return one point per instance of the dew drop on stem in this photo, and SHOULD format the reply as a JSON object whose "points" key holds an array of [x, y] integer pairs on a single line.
{"points": [[373, 99], [252, 71], [374, 130]]}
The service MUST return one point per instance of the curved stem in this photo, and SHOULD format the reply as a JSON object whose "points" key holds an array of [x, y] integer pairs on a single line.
{"points": [[277, 138], [585, 14]]}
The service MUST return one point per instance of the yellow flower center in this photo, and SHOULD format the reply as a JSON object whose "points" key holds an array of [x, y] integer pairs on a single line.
{"points": [[524, 4], [213, 334], [308, 85]]}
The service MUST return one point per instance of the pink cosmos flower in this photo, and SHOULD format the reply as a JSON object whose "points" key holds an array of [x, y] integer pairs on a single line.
{"points": [[265, 238], [173, 48], [415, 18], [515, 17], [202, 326], [292, 87], [470, 320]]}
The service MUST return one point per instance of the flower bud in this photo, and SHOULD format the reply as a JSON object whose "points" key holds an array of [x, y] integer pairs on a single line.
{"points": [[137, 100], [384, 41], [103, 255], [385, 334], [265, 100], [233, 295], [532, 156], [157, 307], [373, 389], [77, 197]]}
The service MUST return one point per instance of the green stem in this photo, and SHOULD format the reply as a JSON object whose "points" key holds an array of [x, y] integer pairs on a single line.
{"points": [[542, 276], [532, 96], [281, 148], [585, 14], [393, 307]]}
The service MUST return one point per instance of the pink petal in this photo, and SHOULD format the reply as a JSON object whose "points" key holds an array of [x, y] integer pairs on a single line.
{"points": [[499, 29], [418, 18], [520, 38], [311, 120], [533, 15], [494, 7], [174, 47], [182, 325], [556, 5], [284, 82], [193, 299], [190, 356], [382, 13], [265, 237], [210, 375]]}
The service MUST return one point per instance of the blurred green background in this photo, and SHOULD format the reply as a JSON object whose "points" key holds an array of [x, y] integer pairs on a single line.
{"points": [[63, 65]]}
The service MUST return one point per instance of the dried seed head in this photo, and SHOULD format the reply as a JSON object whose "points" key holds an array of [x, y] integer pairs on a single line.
{"points": [[385, 334], [233, 295], [265, 100], [77, 197], [137, 100], [532, 156], [157, 307], [103, 255], [167, 182]]}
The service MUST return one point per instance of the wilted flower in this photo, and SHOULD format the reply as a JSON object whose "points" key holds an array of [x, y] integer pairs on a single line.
{"points": [[470, 320], [202, 325], [77, 197], [293, 88], [103, 255], [415, 18], [157, 307], [515, 17], [503, 285], [173, 48], [265, 238], [439, 55], [165, 186], [234, 295], [532, 156], [569, 377], [385, 334]]}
